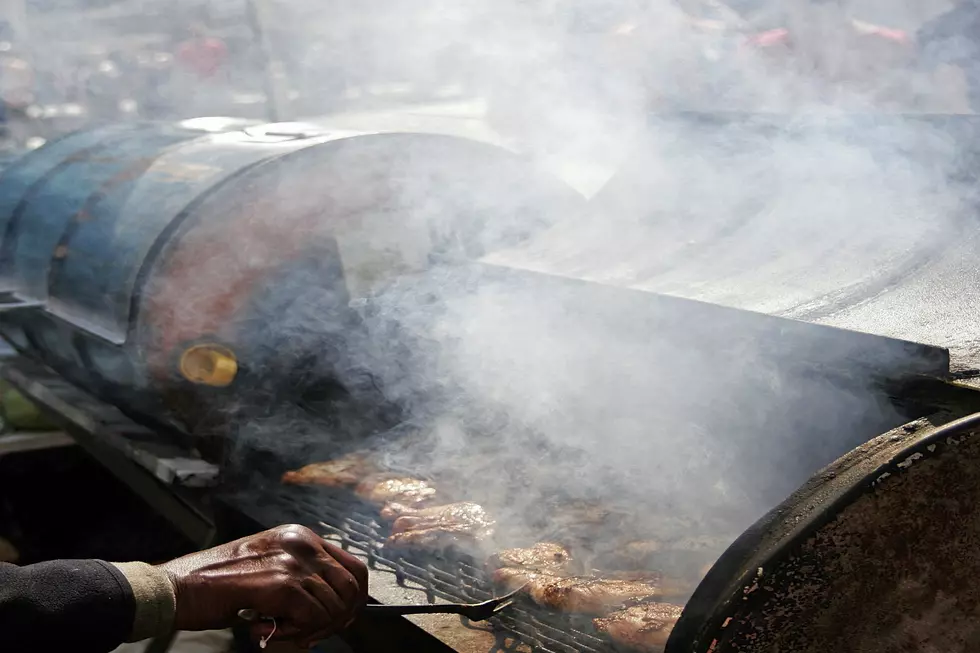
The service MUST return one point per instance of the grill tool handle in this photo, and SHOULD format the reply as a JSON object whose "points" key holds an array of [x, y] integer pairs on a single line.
{"points": [[472, 611], [402, 610]]}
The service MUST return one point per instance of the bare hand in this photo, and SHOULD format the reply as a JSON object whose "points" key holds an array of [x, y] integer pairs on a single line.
{"points": [[311, 588]]}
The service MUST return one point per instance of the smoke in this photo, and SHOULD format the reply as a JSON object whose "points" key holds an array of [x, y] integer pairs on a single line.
{"points": [[521, 387], [579, 365], [535, 383], [582, 365]]}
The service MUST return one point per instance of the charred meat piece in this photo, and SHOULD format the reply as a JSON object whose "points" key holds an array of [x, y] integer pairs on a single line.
{"points": [[393, 510], [643, 627], [439, 527], [544, 556], [590, 595], [392, 488], [587, 594], [345, 471], [508, 579]]}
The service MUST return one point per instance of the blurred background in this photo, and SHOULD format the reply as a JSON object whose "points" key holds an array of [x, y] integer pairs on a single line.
{"points": [[509, 70]]}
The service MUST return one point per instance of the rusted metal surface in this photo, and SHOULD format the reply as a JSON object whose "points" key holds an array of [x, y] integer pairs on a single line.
{"points": [[376, 206], [878, 554]]}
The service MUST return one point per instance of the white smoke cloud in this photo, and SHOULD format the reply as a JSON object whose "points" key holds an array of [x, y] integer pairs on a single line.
{"points": [[526, 387]]}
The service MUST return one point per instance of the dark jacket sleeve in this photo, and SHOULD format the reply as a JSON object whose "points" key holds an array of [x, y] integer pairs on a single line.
{"points": [[83, 606]]}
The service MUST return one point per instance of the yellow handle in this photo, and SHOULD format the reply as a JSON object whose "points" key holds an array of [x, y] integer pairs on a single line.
{"points": [[209, 365]]}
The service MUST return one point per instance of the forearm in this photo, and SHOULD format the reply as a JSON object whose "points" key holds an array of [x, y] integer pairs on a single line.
{"points": [[82, 605]]}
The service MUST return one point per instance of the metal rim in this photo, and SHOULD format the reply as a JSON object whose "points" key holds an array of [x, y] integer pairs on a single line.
{"points": [[781, 531]]}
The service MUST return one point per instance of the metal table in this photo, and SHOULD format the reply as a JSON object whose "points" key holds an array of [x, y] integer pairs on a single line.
{"points": [[17, 442], [171, 479]]}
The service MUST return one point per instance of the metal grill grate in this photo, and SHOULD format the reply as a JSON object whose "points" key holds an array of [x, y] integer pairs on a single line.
{"points": [[355, 524]]}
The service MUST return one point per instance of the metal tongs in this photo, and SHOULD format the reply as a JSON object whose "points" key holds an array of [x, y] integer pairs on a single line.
{"points": [[472, 611]]}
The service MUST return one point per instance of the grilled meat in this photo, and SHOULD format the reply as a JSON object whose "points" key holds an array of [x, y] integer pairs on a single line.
{"points": [[587, 594], [644, 627], [508, 579], [590, 595], [345, 471], [393, 510], [439, 527], [545, 557], [392, 488]]}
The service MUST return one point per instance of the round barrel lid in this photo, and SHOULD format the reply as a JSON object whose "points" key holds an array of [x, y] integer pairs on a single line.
{"points": [[877, 553]]}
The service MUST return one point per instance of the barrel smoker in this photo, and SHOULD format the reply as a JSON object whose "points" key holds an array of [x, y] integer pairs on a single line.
{"points": [[165, 268], [113, 238]]}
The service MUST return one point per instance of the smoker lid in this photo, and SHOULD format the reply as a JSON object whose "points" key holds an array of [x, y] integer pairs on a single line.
{"points": [[878, 552], [860, 222]]}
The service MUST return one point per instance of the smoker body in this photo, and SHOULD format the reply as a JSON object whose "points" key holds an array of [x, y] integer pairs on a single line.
{"points": [[126, 247], [175, 270]]}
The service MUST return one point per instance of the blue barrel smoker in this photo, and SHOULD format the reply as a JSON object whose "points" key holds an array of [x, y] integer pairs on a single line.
{"points": [[131, 254]]}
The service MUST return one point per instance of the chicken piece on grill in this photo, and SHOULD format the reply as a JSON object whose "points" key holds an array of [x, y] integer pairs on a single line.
{"points": [[587, 594], [391, 488], [643, 627], [439, 527], [546, 557], [393, 510], [345, 471], [508, 579], [590, 595]]}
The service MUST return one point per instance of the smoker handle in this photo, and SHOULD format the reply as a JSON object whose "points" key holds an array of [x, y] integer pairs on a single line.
{"points": [[383, 610]]}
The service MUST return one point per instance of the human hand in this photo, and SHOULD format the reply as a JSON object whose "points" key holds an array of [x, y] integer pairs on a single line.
{"points": [[310, 587]]}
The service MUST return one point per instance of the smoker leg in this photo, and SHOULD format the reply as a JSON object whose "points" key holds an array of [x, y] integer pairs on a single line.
{"points": [[160, 644]]}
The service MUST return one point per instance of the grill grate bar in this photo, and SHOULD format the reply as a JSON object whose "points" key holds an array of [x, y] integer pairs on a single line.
{"points": [[354, 524]]}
